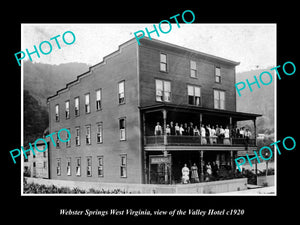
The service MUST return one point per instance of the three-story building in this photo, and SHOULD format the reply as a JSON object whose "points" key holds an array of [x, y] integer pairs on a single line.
{"points": [[113, 109]]}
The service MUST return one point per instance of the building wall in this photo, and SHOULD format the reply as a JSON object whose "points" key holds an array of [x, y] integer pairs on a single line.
{"points": [[37, 164], [118, 66], [179, 74]]}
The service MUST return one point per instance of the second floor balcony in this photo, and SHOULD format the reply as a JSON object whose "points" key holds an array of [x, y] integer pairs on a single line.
{"points": [[200, 127]]}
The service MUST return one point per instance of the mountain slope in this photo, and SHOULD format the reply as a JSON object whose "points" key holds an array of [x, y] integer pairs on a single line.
{"points": [[260, 100], [43, 80]]}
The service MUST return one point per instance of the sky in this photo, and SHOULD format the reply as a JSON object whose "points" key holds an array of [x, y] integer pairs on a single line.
{"points": [[253, 45]]}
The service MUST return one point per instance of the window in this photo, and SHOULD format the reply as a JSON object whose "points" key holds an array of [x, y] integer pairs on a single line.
{"points": [[122, 127], [77, 106], [44, 164], [67, 104], [99, 132], [163, 62], [218, 74], [68, 143], [163, 90], [87, 103], [122, 92], [88, 135], [89, 166], [219, 99], [69, 166], [100, 166], [78, 166], [57, 141], [57, 113], [194, 95], [77, 137], [58, 167], [193, 69], [123, 168], [98, 99]]}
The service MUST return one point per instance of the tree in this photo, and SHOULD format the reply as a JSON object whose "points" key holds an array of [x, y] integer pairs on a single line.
{"points": [[35, 119]]}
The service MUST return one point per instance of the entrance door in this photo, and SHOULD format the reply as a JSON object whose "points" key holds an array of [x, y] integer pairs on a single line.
{"points": [[160, 169]]}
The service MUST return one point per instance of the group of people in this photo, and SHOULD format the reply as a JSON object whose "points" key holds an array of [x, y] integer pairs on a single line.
{"points": [[209, 134], [193, 173]]}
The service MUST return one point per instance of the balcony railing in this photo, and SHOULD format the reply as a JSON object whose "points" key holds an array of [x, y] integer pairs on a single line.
{"points": [[197, 140]]}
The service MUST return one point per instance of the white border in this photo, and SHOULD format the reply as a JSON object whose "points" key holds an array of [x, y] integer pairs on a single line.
{"points": [[199, 195]]}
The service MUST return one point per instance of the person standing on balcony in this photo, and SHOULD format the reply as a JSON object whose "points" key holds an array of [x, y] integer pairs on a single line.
{"points": [[226, 136], [168, 130], [185, 131], [191, 129], [185, 174], [172, 128], [196, 131], [203, 139], [247, 136], [208, 133], [181, 130], [242, 132], [213, 139], [222, 134], [218, 134], [157, 130], [226, 132], [177, 129]]}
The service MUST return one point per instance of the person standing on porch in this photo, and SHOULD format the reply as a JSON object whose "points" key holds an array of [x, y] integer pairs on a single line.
{"points": [[222, 134], [208, 171], [191, 129], [208, 133], [185, 174], [203, 139], [168, 130], [157, 130], [218, 134], [226, 132], [177, 128], [242, 132], [247, 136], [196, 131], [185, 129], [213, 138], [194, 174], [181, 130], [172, 128]]}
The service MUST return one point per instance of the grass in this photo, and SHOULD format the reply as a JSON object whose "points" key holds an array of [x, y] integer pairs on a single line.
{"points": [[32, 188]]}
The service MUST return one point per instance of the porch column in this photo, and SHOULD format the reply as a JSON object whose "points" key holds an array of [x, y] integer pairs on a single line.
{"points": [[230, 129], [144, 152], [254, 131], [164, 112], [166, 167], [232, 161], [200, 120], [230, 124], [201, 166]]}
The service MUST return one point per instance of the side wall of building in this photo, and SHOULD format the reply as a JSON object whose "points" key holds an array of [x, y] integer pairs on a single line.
{"points": [[116, 67]]}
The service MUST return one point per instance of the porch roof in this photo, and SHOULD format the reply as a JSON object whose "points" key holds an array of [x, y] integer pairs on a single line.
{"points": [[197, 109]]}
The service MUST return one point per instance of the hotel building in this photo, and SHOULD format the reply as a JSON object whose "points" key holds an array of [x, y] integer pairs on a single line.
{"points": [[111, 112]]}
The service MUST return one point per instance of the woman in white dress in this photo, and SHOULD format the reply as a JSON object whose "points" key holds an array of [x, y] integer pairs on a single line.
{"points": [[185, 174]]}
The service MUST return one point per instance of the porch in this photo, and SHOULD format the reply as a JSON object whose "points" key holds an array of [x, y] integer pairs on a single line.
{"points": [[166, 152], [198, 124]]}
